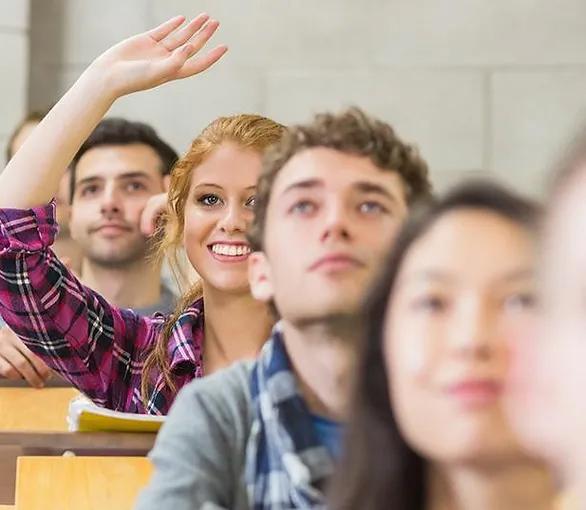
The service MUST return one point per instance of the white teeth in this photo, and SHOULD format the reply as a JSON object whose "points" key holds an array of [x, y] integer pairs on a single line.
{"points": [[230, 250]]}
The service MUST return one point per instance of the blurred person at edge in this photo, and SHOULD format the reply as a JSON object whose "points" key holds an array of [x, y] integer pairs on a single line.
{"points": [[548, 379]]}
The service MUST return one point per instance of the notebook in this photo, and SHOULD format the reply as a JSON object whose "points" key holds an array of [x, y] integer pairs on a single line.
{"points": [[85, 416]]}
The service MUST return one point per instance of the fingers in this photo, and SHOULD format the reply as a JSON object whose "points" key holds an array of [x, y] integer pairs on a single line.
{"points": [[17, 362], [42, 370], [151, 213], [176, 39], [7, 371], [164, 29], [198, 41], [201, 63], [18, 367], [173, 66]]}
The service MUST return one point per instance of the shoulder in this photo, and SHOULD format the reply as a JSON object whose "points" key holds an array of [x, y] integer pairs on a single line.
{"points": [[226, 389], [199, 455], [217, 407]]}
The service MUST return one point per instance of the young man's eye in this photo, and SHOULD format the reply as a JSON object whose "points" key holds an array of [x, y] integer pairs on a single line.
{"points": [[303, 207], [371, 207], [209, 200]]}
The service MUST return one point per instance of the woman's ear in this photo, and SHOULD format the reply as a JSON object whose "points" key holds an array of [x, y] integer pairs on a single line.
{"points": [[259, 276], [166, 182]]}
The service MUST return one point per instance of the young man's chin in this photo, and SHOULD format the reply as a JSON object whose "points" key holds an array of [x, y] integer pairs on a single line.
{"points": [[327, 311]]}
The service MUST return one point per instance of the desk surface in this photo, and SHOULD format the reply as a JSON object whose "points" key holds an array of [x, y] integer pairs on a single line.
{"points": [[16, 444], [29, 409], [80, 483]]}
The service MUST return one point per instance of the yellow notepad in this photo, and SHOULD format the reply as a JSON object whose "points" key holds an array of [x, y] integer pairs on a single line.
{"points": [[85, 416]]}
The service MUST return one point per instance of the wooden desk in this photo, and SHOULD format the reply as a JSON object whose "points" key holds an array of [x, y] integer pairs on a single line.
{"points": [[80, 483], [16, 444], [29, 409]]}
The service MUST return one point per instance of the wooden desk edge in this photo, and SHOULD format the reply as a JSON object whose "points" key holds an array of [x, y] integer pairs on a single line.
{"points": [[107, 441]]}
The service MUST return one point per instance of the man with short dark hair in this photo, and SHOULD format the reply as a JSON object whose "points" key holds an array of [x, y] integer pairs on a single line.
{"points": [[118, 168], [116, 171], [265, 435]]}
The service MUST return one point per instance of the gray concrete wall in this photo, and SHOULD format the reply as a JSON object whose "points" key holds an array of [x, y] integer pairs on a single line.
{"points": [[482, 87], [14, 68]]}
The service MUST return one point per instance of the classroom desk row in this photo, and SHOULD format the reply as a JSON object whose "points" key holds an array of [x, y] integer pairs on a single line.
{"points": [[109, 447], [33, 472]]}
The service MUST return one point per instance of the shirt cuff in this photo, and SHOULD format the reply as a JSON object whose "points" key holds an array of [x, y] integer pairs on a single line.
{"points": [[28, 230]]}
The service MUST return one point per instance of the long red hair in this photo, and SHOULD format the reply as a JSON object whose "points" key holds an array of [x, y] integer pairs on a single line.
{"points": [[248, 131]]}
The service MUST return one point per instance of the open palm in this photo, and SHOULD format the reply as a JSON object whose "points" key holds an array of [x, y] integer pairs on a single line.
{"points": [[162, 54]]}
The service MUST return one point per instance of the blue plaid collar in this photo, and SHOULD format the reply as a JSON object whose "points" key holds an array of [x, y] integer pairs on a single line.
{"points": [[285, 462]]}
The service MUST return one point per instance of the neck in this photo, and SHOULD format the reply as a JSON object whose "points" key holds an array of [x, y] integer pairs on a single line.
{"points": [[68, 252], [521, 485], [322, 354], [236, 326], [136, 284]]}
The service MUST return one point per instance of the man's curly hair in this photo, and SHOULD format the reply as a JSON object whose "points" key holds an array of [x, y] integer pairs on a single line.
{"points": [[353, 132]]}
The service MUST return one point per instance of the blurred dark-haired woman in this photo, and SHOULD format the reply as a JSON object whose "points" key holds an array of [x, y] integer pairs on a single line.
{"points": [[428, 429]]}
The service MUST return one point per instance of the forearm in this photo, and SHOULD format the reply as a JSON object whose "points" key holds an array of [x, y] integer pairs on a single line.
{"points": [[69, 326], [32, 176], [141, 62]]}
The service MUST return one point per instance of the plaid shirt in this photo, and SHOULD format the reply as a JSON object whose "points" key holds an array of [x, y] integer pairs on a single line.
{"points": [[286, 464], [98, 347]]}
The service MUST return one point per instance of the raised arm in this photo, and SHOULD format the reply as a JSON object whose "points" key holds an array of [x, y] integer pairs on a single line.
{"points": [[165, 53], [95, 345]]}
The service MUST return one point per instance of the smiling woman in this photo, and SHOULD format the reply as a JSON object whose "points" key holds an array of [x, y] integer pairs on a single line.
{"points": [[211, 199], [119, 359]]}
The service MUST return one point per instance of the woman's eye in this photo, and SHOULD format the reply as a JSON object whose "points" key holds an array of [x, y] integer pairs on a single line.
{"points": [[432, 304], [251, 202], [371, 207], [209, 200], [303, 207]]}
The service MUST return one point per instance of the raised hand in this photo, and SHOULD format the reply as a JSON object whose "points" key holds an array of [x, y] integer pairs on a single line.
{"points": [[165, 53], [169, 52]]}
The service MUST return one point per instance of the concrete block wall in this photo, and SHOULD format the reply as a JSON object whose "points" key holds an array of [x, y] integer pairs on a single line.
{"points": [[481, 87], [14, 68]]}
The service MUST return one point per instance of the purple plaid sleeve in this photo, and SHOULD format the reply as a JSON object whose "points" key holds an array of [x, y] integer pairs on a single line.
{"points": [[96, 346]]}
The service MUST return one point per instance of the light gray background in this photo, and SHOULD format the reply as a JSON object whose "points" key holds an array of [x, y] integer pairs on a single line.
{"points": [[483, 87]]}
